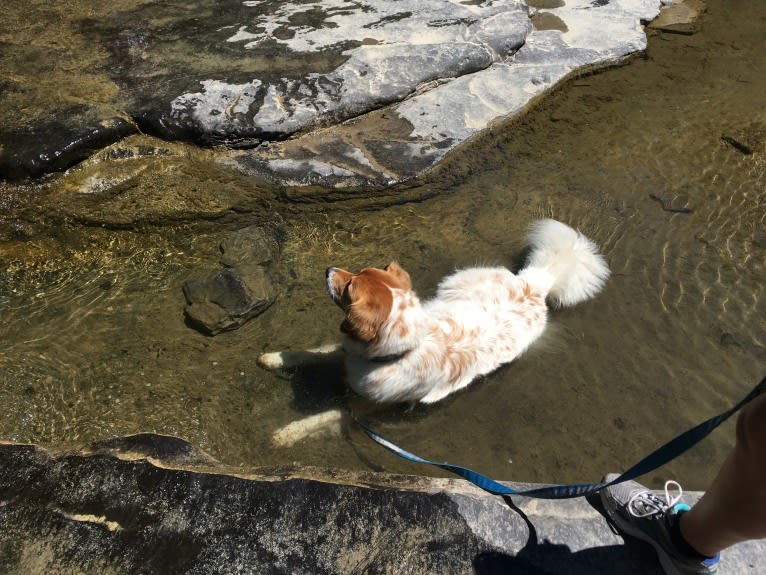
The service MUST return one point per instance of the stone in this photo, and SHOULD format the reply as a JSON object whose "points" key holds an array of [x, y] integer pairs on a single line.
{"points": [[433, 121], [389, 50], [142, 180], [154, 504], [226, 301], [249, 246], [747, 140], [679, 16], [58, 141], [339, 94], [241, 291]]}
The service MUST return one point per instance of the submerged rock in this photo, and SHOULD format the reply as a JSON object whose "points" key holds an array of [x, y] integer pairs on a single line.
{"points": [[747, 140], [228, 300], [59, 140], [241, 291], [679, 16]]}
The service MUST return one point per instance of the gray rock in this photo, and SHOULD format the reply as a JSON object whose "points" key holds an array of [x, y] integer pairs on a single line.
{"points": [[154, 504], [373, 77], [241, 291], [383, 52], [434, 121], [312, 80]]}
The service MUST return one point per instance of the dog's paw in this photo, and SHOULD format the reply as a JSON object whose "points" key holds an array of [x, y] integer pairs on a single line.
{"points": [[274, 360]]}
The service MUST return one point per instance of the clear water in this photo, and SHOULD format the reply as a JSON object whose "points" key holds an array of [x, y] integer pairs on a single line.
{"points": [[94, 342]]}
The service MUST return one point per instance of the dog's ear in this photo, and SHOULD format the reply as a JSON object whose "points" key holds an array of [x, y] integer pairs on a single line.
{"points": [[402, 276], [368, 310]]}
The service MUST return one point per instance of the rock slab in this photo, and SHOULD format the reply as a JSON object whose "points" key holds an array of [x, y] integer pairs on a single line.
{"points": [[153, 504], [339, 93]]}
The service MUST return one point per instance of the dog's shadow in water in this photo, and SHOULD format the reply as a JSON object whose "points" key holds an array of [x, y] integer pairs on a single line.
{"points": [[320, 388], [317, 386], [321, 385]]}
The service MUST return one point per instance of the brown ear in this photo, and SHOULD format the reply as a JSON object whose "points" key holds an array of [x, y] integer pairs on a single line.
{"points": [[401, 276], [370, 307]]}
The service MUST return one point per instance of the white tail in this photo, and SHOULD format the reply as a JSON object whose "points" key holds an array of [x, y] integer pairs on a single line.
{"points": [[570, 262]]}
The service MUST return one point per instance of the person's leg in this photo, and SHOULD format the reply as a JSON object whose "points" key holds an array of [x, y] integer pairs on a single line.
{"points": [[733, 508]]}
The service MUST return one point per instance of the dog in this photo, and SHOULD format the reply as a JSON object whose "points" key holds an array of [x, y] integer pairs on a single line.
{"points": [[400, 349]]}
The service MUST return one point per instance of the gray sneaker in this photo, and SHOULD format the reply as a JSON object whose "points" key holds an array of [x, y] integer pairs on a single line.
{"points": [[641, 513]]}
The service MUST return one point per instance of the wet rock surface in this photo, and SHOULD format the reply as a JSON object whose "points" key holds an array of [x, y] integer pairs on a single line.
{"points": [[679, 16], [59, 140], [151, 503], [264, 76], [241, 291]]}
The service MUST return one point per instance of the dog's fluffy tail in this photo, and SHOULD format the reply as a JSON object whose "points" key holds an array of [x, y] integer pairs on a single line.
{"points": [[564, 263]]}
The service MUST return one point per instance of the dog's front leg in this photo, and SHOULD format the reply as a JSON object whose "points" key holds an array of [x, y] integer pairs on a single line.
{"points": [[325, 422], [330, 353]]}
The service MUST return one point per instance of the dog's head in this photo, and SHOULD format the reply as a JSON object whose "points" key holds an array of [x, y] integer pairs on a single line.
{"points": [[367, 298]]}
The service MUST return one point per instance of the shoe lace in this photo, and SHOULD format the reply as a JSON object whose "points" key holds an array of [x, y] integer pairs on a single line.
{"points": [[645, 503]]}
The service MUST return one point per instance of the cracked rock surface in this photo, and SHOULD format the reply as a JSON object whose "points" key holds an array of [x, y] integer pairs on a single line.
{"points": [[337, 93], [153, 504]]}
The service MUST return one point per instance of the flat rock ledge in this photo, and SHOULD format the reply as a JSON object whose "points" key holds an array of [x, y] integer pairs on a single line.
{"points": [[153, 504], [527, 52], [340, 93]]}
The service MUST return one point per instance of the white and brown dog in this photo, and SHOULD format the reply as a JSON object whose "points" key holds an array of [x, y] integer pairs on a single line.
{"points": [[399, 349]]}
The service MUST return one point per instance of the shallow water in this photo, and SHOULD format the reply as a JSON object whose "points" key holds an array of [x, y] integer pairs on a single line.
{"points": [[95, 344]]}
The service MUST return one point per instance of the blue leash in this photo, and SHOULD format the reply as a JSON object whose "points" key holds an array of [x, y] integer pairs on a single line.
{"points": [[657, 458]]}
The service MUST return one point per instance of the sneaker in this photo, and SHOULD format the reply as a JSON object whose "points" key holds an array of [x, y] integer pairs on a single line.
{"points": [[641, 513]]}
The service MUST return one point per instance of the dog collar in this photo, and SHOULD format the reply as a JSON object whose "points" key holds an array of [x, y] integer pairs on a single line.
{"points": [[388, 358]]}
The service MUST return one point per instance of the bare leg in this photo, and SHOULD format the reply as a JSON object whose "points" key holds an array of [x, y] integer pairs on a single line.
{"points": [[733, 509]]}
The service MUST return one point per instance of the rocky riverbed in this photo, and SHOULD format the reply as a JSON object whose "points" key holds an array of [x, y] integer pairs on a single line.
{"points": [[104, 219]]}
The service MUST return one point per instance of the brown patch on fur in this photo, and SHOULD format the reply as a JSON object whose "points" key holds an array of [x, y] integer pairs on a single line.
{"points": [[455, 361], [369, 307], [401, 276], [527, 290], [458, 363], [526, 295], [366, 298]]}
